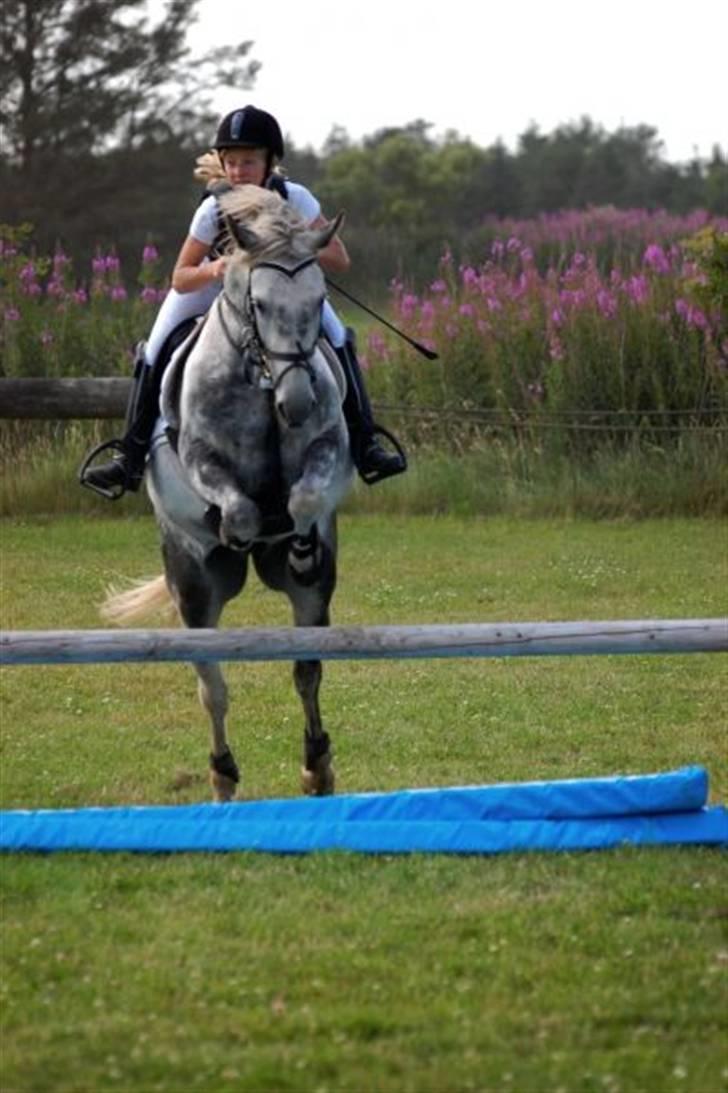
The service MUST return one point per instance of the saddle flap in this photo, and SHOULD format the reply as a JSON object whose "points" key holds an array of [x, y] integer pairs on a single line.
{"points": [[172, 381], [334, 364]]}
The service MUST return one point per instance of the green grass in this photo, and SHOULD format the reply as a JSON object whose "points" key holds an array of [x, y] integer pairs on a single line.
{"points": [[451, 470], [587, 973]]}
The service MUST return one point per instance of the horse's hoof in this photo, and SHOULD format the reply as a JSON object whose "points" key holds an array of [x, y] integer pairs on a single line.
{"points": [[224, 776], [223, 788], [319, 782]]}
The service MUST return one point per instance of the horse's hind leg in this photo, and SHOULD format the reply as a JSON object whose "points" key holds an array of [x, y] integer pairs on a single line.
{"points": [[201, 590], [311, 608], [317, 773], [310, 603]]}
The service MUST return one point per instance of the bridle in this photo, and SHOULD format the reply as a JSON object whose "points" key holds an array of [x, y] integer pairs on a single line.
{"points": [[254, 341]]}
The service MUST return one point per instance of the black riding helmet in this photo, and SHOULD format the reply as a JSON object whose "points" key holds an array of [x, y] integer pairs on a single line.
{"points": [[250, 128]]}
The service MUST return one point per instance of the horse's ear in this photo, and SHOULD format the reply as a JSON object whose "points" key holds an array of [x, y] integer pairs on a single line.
{"points": [[323, 236], [243, 236]]}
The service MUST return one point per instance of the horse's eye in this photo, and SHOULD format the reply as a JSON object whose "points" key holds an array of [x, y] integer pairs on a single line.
{"points": [[260, 306]]}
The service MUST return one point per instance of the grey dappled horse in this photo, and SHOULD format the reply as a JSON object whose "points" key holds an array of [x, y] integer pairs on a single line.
{"points": [[260, 463]]}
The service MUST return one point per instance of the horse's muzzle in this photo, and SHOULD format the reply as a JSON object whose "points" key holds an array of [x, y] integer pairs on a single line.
{"points": [[295, 399]]}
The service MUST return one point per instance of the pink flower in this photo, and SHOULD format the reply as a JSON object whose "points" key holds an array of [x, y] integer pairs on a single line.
{"points": [[118, 292], [637, 288], [691, 315], [606, 303], [656, 259], [149, 295], [80, 296], [467, 310], [111, 263], [149, 254], [98, 265], [377, 344], [407, 305], [12, 314]]}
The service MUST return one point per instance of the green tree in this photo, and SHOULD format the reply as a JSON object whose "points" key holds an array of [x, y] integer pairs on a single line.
{"points": [[97, 100]]}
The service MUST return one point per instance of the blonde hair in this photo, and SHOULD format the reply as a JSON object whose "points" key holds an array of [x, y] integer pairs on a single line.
{"points": [[209, 168]]}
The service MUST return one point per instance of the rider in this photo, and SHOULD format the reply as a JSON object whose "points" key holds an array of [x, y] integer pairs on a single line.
{"points": [[249, 144]]}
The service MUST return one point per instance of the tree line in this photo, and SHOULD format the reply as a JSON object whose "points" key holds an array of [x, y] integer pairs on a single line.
{"points": [[102, 113]]}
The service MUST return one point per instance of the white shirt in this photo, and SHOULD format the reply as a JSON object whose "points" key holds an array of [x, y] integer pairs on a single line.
{"points": [[205, 225]]}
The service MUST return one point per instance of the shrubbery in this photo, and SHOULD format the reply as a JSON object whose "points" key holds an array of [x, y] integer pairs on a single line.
{"points": [[583, 367], [548, 325], [56, 322]]}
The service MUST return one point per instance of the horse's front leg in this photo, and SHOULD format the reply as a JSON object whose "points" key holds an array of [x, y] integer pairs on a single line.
{"points": [[322, 482], [314, 496], [213, 695], [240, 519]]}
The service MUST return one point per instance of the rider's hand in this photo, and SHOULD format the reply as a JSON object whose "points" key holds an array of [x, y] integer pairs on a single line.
{"points": [[218, 268]]}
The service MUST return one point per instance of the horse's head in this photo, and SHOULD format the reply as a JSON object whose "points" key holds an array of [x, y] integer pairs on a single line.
{"points": [[283, 290]]}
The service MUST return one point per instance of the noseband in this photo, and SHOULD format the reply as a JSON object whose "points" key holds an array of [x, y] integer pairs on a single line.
{"points": [[300, 359]]}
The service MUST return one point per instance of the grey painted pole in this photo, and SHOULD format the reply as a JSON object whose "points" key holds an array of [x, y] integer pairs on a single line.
{"points": [[18, 647]]}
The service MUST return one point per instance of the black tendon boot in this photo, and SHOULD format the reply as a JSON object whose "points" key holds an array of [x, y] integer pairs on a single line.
{"points": [[126, 470], [371, 459]]}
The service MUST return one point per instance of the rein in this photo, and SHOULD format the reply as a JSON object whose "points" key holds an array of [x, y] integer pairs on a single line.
{"points": [[300, 359]]}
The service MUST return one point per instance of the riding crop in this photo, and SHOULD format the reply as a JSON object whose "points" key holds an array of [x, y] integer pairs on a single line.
{"points": [[429, 353]]}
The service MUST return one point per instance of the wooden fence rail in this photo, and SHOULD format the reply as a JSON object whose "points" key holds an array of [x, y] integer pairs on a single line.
{"points": [[47, 399], [365, 642]]}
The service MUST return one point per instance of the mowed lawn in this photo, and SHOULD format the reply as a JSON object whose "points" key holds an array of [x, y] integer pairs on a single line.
{"points": [[582, 972]]}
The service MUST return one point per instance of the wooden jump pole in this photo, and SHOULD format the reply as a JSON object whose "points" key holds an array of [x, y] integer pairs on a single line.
{"points": [[18, 647]]}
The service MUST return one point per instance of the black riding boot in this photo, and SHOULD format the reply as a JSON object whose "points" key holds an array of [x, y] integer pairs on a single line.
{"points": [[126, 470], [372, 461]]}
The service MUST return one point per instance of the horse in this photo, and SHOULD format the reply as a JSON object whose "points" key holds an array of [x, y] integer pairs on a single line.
{"points": [[252, 461]]}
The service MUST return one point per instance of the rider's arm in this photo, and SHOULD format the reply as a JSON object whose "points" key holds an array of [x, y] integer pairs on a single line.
{"points": [[334, 258], [191, 271]]}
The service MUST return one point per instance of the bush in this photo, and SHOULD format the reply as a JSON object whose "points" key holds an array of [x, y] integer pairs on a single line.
{"points": [[55, 324], [570, 343]]}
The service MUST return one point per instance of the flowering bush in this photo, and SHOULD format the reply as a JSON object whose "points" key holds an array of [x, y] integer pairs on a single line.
{"points": [[54, 323], [567, 337]]}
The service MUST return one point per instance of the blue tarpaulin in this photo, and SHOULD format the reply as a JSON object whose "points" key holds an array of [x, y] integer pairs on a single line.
{"points": [[574, 814]]}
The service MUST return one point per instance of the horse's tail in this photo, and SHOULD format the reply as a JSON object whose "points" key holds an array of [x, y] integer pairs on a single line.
{"points": [[138, 601]]}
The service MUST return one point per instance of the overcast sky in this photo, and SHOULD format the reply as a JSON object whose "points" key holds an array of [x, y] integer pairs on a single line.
{"points": [[484, 69]]}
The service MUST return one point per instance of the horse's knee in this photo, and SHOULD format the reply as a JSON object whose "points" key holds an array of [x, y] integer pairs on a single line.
{"points": [[240, 523]]}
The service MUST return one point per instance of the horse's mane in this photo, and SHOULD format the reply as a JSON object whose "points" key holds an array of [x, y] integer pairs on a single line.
{"points": [[275, 223]]}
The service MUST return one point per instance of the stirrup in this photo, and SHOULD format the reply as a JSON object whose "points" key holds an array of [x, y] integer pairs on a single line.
{"points": [[108, 446], [372, 477]]}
